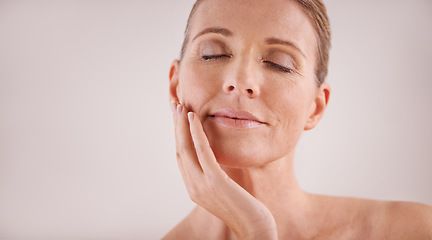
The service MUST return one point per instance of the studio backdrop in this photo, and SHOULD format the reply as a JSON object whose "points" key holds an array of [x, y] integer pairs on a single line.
{"points": [[87, 145]]}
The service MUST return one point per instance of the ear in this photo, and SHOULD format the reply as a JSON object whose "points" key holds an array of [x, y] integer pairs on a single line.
{"points": [[319, 106], [173, 81]]}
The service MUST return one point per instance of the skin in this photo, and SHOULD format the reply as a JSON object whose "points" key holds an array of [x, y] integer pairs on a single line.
{"points": [[243, 179]]}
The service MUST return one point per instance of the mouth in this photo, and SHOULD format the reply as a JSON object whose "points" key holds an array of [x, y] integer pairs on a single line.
{"points": [[236, 119]]}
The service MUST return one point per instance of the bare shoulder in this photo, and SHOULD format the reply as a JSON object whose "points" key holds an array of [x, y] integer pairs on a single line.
{"points": [[397, 220], [199, 224], [407, 219], [180, 231], [373, 219]]}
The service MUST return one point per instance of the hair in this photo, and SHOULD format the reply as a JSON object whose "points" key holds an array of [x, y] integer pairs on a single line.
{"points": [[317, 13]]}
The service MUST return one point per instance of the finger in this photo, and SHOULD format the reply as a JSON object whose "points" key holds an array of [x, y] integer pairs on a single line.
{"points": [[173, 105], [203, 150], [179, 152], [185, 150]]}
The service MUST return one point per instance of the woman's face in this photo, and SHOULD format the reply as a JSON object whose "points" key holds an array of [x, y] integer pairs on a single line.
{"points": [[248, 74]]}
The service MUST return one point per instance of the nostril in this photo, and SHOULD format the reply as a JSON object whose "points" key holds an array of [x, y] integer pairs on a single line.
{"points": [[250, 91], [230, 88]]}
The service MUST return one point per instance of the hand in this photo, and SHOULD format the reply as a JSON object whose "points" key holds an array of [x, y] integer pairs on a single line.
{"points": [[211, 188]]}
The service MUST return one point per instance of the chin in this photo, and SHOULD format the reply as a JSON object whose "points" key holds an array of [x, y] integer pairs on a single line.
{"points": [[240, 155], [246, 148]]}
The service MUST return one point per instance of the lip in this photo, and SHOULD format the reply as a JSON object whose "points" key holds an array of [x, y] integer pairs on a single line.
{"points": [[236, 119]]}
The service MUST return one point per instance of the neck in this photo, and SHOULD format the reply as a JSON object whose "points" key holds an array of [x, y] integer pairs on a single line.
{"points": [[275, 185]]}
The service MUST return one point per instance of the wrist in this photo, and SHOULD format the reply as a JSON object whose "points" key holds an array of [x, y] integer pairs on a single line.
{"points": [[259, 231]]}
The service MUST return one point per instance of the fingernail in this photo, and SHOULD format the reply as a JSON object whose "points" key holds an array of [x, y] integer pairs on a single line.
{"points": [[191, 116], [179, 109], [173, 106]]}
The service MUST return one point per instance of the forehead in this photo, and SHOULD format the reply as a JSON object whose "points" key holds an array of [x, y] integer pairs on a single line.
{"points": [[255, 20]]}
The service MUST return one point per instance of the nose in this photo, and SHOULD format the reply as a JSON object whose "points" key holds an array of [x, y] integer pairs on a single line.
{"points": [[242, 78]]}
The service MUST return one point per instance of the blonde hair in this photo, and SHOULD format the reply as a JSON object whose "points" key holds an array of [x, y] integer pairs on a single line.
{"points": [[317, 13]]}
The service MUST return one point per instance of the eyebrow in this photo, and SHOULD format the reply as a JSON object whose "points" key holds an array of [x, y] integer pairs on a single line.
{"points": [[223, 31], [272, 41]]}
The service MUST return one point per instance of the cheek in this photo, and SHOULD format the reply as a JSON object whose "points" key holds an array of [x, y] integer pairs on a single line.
{"points": [[196, 87], [289, 105]]}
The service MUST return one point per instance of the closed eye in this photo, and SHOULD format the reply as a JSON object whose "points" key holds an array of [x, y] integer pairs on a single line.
{"points": [[278, 67], [215, 57]]}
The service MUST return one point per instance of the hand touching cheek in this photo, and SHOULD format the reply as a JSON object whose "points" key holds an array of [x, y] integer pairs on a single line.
{"points": [[211, 188]]}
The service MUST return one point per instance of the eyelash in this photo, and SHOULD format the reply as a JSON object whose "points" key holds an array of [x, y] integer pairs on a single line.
{"points": [[278, 67], [271, 64], [214, 57]]}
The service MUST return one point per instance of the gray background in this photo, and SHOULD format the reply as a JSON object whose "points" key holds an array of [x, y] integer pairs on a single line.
{"points": [[86, 136]]}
